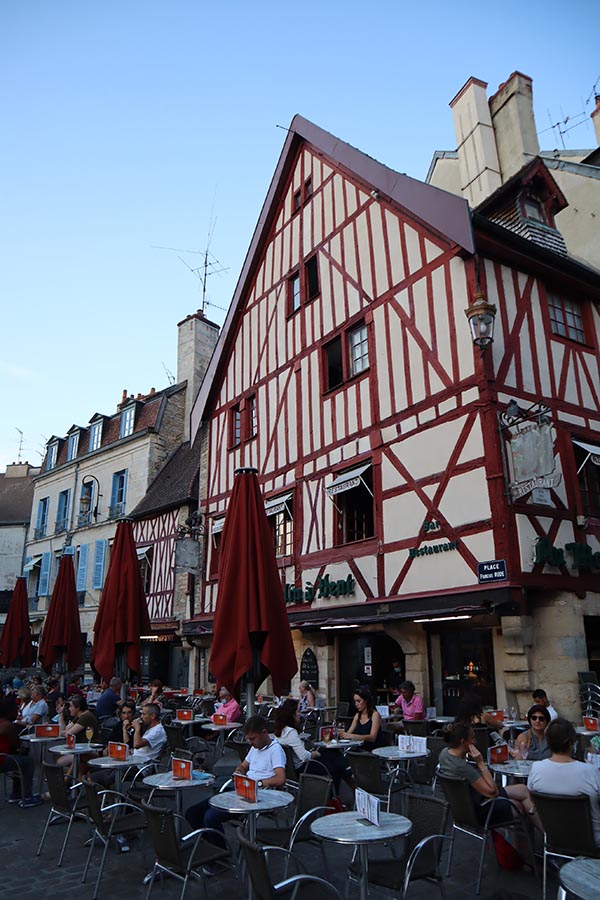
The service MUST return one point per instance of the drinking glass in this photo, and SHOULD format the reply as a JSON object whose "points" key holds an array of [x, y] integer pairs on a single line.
{"points": [[524, 752], [513, 713], [89, 733]]}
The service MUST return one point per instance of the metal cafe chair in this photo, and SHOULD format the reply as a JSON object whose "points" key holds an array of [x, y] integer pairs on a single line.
{"points": [[465, 819], [423, 847], [67, 803], [369, 775], [183, 857], [259, 867], [15, 773], [108, 822], [567, 823]]}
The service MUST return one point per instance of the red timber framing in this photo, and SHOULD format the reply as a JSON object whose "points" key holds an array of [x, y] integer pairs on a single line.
{"points": [[159, 533], [398, 261]]}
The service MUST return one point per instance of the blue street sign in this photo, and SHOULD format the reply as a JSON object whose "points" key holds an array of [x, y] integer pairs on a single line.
{"points": [[492, 570]]}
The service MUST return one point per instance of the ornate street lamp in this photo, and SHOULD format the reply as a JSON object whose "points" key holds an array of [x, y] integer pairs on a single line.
{"points": [[481, 316], [85, 501]]}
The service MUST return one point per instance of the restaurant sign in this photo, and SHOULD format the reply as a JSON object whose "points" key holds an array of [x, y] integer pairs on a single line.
{"points": [[324, 587], [546, 553]]}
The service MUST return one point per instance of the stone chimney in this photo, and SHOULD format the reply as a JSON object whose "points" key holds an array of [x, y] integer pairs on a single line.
{"points": [[596, 117], [477, 154], [196, 341], [511, 110]]}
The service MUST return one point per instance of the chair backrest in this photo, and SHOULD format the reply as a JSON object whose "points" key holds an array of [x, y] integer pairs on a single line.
{"points": [[367, 773], [290, 768], [343, 708], [161, 826], [429, 815], [58, 790], [175, 738], [459, 796], [423, 770], [95, 807], [482, 739], [419, 728], [314, 790], [258, 869], [567, 822]]}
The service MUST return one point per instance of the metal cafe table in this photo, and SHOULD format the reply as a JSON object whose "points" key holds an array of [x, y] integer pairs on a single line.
{"points": [[580, 877], [37, 748], [351, 828], [119, 765], [266, 801], [165, 781], [398, 756], [515, 768], [76, 751]]}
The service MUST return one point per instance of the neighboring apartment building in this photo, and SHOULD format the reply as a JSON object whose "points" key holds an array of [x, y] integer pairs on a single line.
{"points": [[100, 472], [16, 494], [423, 506]]}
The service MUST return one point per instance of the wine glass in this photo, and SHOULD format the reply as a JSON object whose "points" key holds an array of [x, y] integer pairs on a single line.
{"points": [[89, 733], [524, 753]]}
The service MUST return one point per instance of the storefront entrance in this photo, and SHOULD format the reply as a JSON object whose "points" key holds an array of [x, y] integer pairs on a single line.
{"points": [[367, 659], [464, 659]]}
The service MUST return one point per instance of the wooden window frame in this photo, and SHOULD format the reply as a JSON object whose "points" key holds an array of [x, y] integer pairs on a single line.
{"points": [[342, 340], [354, 518], [568, 307]]}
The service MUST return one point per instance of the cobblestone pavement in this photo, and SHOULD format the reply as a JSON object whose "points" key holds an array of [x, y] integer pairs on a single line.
{"points": [[24, 875]]}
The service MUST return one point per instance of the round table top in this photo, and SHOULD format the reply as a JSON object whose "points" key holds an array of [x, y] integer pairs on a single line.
{"points": [[350, 828], [342, 744], [397, 753], [109, 762], [229, 727], [77, 749], [513, 723], [165, 781], [443, 719], [198, 720], [520, 768], [582, 878], [581, 729], [39, 740], [265, 799]]}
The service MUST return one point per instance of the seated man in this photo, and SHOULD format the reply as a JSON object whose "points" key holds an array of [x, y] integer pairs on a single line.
{"points": [[541, 698], [227, 706], [413, 708], [107, 704], [148, 743], [9, 744], [265, 762], [36, 711]]}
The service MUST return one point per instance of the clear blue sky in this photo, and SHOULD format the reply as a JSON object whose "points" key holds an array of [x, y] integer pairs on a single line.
{"points": [[133, 124]]}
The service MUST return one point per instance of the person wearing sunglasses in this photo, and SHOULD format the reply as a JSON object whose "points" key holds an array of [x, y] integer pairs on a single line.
{"points": [[532, 744]]}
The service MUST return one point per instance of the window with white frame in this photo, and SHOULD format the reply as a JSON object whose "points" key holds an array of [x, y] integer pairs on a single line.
{"points": [[235, 425], [118, 494], [127, 421], [279, 512], [95, 436], [216, 532], [62, 512], [346, 356], [51, 456], [42, 518], [587, 460], [352, 495], [73, 445], [251, 421]]}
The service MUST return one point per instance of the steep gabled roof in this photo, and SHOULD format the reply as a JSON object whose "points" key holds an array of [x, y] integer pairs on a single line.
{"points": [[440, 211], [175, 484]]}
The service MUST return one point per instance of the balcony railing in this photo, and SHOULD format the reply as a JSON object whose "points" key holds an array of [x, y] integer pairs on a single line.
{"points": [[84, 519], [39, 532], [60, 526], [117, 509]]}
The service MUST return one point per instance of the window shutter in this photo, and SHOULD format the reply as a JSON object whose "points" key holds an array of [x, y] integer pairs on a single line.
{"points": [[124, 494], [98, 573], [84, 552], [44, 575], [40, 514], [115, 490]]}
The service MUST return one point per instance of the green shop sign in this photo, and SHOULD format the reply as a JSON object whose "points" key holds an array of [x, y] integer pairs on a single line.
{"points": [[547, 554], [323, 587]]}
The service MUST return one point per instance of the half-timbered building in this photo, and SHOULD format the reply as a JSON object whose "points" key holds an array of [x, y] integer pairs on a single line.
{"points": [[392, 453]]}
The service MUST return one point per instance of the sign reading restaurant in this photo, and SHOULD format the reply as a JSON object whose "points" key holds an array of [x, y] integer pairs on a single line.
{"points": [[323, 587]]}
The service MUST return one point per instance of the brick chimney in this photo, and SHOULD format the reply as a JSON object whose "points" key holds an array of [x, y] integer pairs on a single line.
{"points": [[511, 110], [477, 154], [596, 117], [196, 341]]}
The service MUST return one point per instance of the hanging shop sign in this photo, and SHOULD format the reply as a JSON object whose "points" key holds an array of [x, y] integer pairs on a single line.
{"points": [[582, 556], [533, 461], [324, 587]]}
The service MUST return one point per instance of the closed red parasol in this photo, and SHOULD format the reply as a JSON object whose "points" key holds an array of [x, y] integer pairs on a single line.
{"points": [[15, 641], [61, 637], [123, 613], [252, 636]]}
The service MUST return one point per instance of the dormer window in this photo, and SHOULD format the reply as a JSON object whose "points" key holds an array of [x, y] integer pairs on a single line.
{"points": [[73, 445], [51, 456], [95, 436], [127, 421], [534, 210]]}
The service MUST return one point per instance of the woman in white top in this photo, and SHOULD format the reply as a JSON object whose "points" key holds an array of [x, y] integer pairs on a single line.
{"points": [[565, 776], [287, 721]]}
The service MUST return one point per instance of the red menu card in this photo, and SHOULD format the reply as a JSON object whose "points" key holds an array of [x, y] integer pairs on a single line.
{"points": [[590, 723], [245, 787], [184, 715], [50, 731], [117, 750], [498, 754], [220, 719], [70, 741], [182, 769]]}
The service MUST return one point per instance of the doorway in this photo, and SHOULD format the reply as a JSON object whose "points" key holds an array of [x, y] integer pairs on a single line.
{"points": [[366, 659]]}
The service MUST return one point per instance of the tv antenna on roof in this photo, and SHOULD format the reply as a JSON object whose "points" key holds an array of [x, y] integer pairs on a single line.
{"points": [[210, 264], [20, 444]]}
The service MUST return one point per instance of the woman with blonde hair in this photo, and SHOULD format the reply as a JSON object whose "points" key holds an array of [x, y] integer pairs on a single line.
{"points": [[307, 697]]}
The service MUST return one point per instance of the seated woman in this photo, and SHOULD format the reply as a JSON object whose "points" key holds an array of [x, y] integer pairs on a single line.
{"points": [[156, 693], [563, 775], [460, 738], [532, 744], [78, 720], [307, 697], [287, 722], [366, 724]]}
